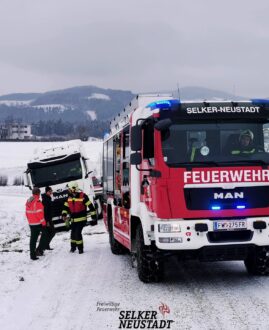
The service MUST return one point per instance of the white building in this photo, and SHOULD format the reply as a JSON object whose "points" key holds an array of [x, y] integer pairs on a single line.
{"points": [[19, 131]]}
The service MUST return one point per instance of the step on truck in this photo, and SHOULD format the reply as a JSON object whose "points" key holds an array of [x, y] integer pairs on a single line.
{"points": [[188, 179], [56, 165]]}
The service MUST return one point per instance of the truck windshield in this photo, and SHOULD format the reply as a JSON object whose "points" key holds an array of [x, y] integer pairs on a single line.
{"points": [[216, 143], [56, 173]]}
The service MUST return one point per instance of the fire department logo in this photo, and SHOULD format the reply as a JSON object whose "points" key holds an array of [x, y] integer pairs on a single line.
{"points": [[145, 319], [164, 309]]}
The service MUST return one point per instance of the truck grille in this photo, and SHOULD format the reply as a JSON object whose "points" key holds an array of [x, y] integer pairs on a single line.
{"points": [[230, 236], [225, 252]]}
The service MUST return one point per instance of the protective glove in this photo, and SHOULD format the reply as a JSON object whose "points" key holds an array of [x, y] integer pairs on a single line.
{"points": [[64, 218], [93, 221]]}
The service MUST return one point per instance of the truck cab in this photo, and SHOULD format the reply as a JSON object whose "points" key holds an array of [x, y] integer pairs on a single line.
{"points": [[198, 183], [57, 165]]}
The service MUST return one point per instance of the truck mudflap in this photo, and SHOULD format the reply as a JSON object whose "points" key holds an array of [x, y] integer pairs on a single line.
{"points": [[197, 234]]}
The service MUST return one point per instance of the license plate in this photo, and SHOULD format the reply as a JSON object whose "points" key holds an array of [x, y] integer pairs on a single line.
{"points": [[230, 225]]}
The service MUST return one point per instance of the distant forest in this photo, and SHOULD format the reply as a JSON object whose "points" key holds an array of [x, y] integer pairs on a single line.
{"points": [[66, 130], [67, 113]]}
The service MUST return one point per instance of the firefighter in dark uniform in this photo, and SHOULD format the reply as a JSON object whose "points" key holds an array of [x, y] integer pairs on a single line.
{"points": [[50, 230], [245, 146], [76, 206]]}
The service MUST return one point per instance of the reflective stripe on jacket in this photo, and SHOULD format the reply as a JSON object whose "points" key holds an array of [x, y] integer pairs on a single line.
{"points": [[35, 211], [193, 152], [246, 152], [76, 205]]}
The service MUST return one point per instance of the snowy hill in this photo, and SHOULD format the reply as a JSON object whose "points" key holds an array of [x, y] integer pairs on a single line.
{"points": [[78, 104], [75, 104]]}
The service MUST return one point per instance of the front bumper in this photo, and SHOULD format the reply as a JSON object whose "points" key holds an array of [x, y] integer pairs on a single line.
{"points": [[193, 237]]}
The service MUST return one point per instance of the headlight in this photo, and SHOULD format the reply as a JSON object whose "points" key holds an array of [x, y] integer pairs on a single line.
{"points": [[169, 228]]}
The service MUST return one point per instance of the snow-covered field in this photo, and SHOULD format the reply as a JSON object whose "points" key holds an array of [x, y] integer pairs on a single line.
{"points": [[15, 155], [72, 291]]}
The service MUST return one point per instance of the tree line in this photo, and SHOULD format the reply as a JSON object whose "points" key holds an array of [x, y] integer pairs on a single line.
{"points": [[65, 129]]}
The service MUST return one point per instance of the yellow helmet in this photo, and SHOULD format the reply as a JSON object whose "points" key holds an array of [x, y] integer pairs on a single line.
{"points": [[72, 185]]}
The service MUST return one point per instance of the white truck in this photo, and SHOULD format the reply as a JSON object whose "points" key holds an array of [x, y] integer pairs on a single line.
{"points": [[55, 166]]}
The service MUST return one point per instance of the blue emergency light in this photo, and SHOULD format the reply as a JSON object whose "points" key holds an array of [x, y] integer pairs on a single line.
{"points": [[215, 207], [218, 207], [163, 104], [241, 207], [259, 101]]}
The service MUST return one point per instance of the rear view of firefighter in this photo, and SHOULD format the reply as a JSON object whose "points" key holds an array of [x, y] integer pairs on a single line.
{"points": [[76, 206], [35, 217]]}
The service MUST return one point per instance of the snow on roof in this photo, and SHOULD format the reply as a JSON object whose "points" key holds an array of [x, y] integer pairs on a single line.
{"points": [[62, 148]]}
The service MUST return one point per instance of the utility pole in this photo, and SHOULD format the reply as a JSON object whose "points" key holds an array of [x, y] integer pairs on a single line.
{"points": [[178, 91]]}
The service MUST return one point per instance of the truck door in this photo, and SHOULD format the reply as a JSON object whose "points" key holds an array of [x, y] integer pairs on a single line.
{"points": [[121, 184]]}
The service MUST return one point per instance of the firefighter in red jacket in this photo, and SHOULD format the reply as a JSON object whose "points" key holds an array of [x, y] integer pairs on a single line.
{"points": [[35, 217], [76, 205]]}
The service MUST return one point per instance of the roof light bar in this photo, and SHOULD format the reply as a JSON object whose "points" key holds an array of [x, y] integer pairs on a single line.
{"points": [[260, 101], [163, 104]]}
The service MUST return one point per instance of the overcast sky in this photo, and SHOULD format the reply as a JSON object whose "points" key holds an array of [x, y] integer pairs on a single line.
{"points": [[142, 45]]}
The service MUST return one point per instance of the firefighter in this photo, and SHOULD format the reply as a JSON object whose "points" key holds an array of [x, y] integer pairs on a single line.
{"points": [[245, 146], [49, 231], [35, 217], [76, 205]]}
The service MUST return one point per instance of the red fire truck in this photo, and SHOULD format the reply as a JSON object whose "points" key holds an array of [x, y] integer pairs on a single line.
{"points": [[189, 179]]}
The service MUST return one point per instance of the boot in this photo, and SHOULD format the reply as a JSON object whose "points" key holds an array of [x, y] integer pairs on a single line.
{"points": [[39, 253], [73, 247]]}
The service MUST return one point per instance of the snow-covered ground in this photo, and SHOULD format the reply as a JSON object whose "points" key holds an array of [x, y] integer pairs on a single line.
{"points": [[70, 291]]}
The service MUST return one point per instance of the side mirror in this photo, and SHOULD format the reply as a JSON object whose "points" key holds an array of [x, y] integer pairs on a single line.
{"points": [[163, 124], [87, 174], [136, 138], [136, 158]]}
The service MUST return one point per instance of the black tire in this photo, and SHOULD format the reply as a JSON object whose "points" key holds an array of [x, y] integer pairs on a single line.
{"points": [[257, 263], [115, 246], [148, 268]]}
